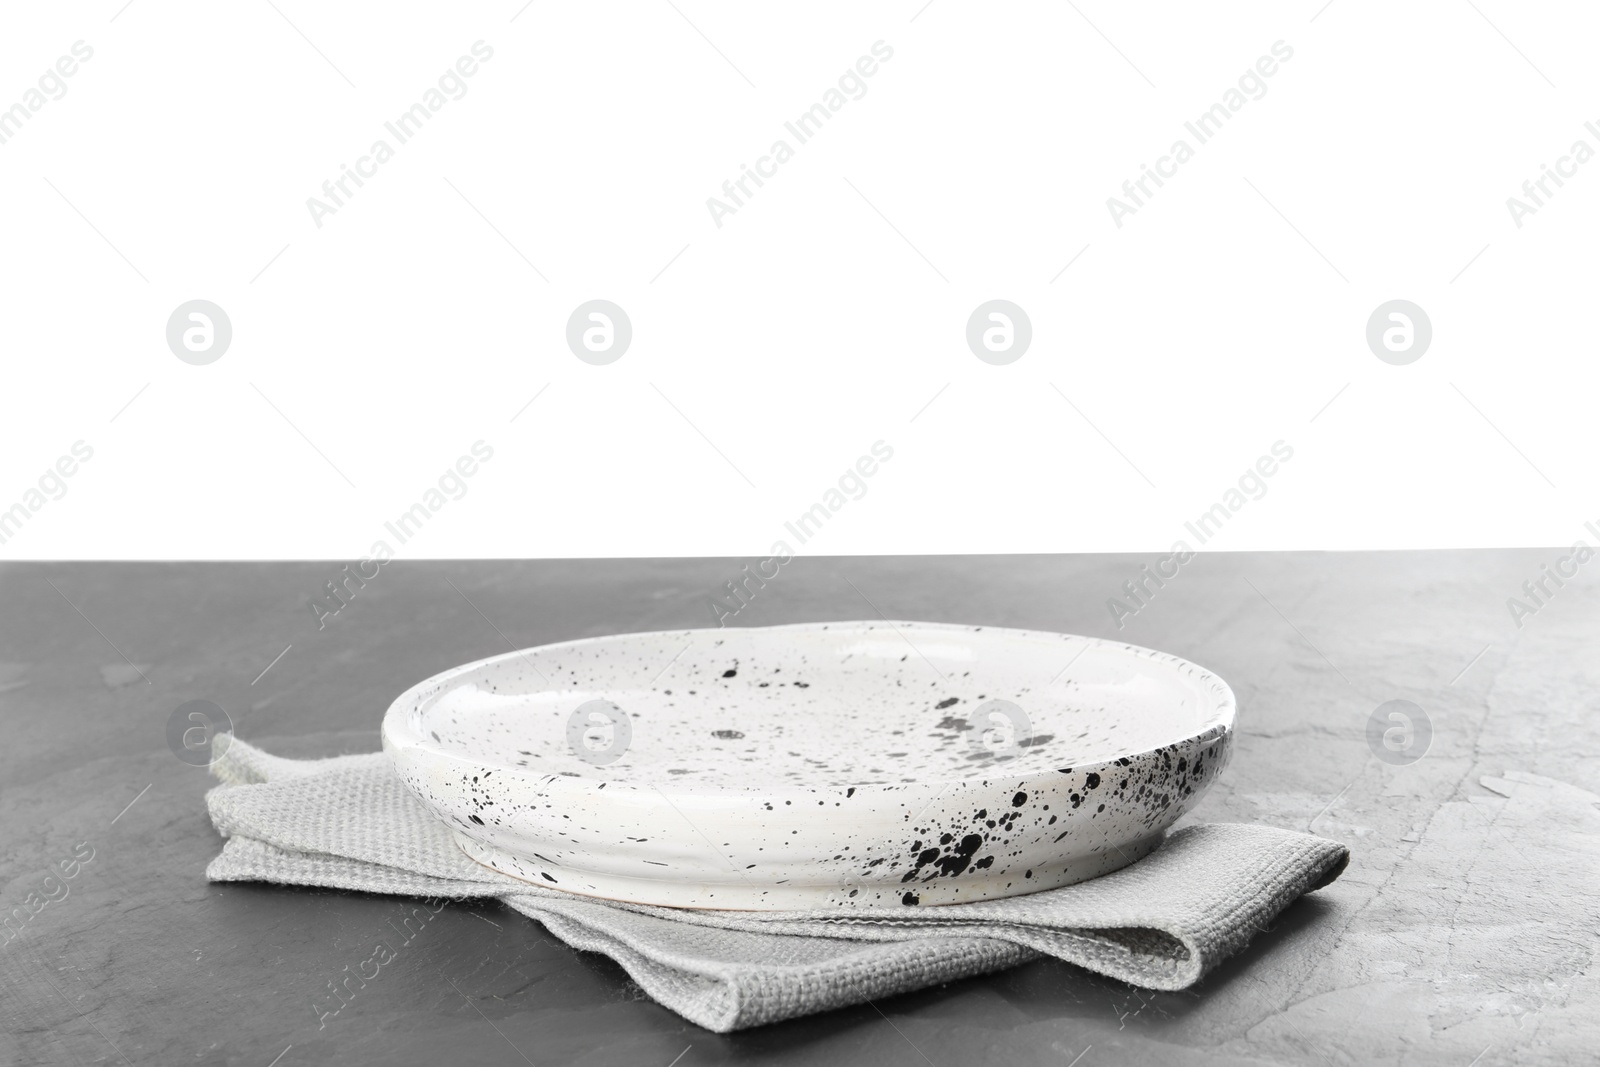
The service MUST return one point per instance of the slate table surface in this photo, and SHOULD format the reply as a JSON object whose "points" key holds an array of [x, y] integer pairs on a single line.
{"points": [[1466, 926]]}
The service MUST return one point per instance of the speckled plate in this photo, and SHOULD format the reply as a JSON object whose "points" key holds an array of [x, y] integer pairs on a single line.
{"points": [[839, 765]]}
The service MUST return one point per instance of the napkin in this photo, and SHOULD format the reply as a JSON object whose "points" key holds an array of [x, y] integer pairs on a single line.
{"points": [[1161, 923]]}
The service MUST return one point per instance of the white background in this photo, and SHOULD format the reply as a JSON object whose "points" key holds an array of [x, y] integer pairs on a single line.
{"points": [[827, 313]]}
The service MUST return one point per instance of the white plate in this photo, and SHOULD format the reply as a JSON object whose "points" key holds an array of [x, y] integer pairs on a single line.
{"points": [[848, 764]]}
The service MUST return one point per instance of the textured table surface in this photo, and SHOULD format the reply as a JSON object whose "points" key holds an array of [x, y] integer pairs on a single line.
{"points": [[1466, 926]]}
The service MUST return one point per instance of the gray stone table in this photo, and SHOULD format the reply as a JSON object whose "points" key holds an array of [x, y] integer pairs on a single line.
{"points": [[1466, 925]]}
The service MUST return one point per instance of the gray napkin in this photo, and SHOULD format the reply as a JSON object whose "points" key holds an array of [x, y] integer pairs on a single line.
{"points": [[1160, 923]]}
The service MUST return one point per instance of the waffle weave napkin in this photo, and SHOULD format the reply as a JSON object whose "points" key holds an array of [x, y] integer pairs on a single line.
{"points": [[349, 823]]}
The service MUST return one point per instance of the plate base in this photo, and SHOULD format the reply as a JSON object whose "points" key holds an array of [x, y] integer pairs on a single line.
{"points": [[735, 895]]}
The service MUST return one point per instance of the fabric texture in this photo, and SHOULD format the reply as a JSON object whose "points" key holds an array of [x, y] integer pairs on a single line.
{"points": [[1161, 923]]}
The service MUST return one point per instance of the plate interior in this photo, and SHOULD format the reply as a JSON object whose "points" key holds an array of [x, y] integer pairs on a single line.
{"points": [[822, 706]]}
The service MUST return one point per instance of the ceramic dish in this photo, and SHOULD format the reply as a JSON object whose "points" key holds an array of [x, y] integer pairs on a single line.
{"points": [[848, 764]]}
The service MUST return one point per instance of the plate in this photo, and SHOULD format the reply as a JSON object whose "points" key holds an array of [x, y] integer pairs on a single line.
{"points": [[825, 765]]}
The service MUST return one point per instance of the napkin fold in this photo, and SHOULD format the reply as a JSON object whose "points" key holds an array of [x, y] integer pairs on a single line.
{"points": [[1161, 923]]}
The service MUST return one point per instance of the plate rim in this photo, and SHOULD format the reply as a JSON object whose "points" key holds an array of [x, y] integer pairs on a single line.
{"points": [[397, 736]]}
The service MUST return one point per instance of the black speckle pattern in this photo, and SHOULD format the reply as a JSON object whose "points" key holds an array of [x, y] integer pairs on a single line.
{"points": [[814, 766]]}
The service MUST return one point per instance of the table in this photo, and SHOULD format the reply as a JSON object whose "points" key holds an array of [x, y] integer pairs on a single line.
{"points": [[1466, 925]]}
